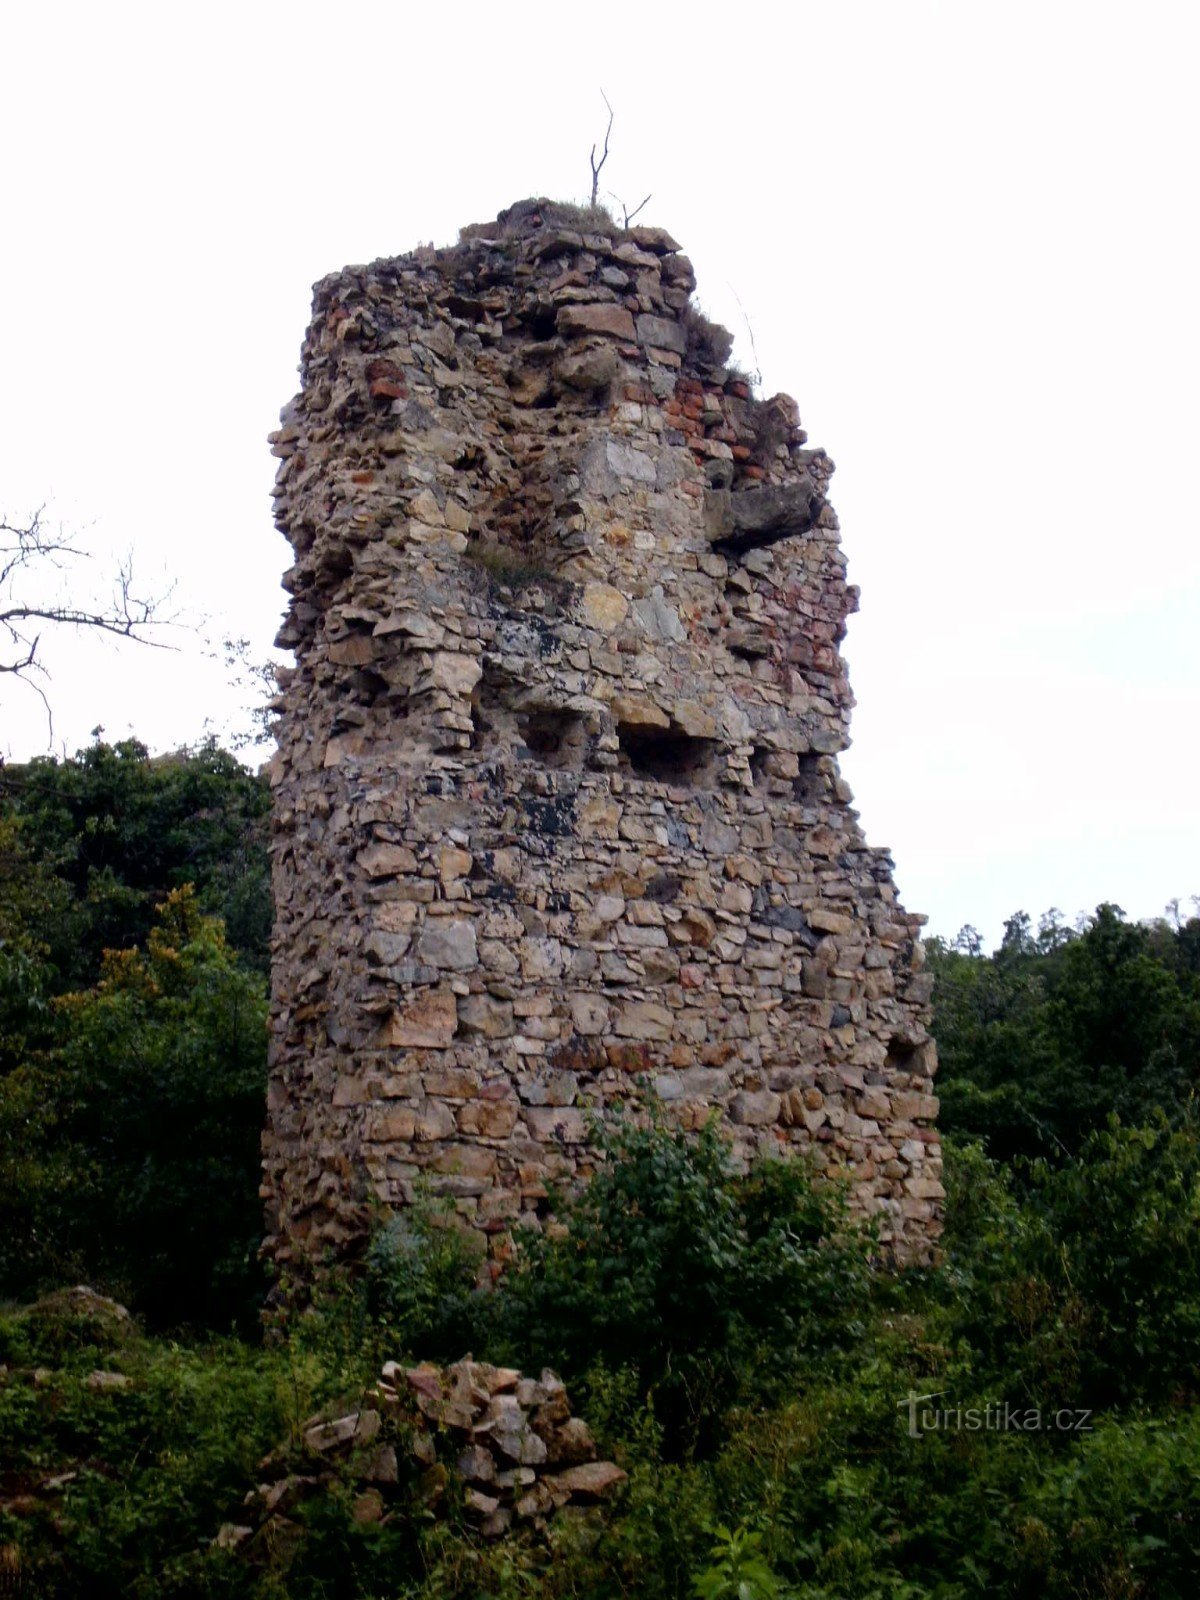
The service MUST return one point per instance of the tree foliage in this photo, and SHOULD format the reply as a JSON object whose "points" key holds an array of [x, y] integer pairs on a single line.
{"points": [[1078, 1282], [129, 1140], [1043, 1041], [119, 829], [719, 1327]]}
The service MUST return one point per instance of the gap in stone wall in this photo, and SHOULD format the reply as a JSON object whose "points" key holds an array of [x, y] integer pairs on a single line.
{"points": [[901, 1056], [555, 738], [667, 755], [809, 784]]}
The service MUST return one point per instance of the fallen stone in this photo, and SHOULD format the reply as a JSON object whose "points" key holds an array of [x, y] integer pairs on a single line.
{"points": [[107, 1382], [231, 1535], [591, 1481], [358, 1427]]}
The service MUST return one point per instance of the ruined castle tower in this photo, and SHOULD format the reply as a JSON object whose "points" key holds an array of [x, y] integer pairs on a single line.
{"points": [[558, 817]]}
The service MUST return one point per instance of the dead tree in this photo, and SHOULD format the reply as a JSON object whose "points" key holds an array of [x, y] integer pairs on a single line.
{"points": [[628, 215], [596, 165]]}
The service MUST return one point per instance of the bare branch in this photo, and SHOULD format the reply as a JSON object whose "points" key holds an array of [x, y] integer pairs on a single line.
{"points": [[28, 551], [46, 706], [596, 166], [629, 215], [259, 684], [756, 375]]}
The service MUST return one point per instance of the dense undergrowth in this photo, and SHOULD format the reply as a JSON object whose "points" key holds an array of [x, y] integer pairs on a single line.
{"points": [[739, 1360], [795, 1420]]}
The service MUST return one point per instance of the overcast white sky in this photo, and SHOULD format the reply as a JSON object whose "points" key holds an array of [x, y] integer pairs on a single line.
{"points": [[965, 237]]}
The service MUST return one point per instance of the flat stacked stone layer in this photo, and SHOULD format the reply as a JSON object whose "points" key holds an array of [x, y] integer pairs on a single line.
{"points": [[558, 820]]}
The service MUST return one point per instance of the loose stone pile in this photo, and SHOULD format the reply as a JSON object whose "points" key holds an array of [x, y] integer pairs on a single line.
{"points": [[522, 1454], [511, 1440], [558, 817]]}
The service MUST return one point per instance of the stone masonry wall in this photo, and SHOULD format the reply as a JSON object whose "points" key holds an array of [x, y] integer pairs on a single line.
{"points": [[558, 817]]}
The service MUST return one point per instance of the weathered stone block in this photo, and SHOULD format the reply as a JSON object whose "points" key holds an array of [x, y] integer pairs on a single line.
{"points": [[757, 1109], [448, 943], [664, 333], [488, 1120], [643, 1020], [429, 1021], [605, 319]]}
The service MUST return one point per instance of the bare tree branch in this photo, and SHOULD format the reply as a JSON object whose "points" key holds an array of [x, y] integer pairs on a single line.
{"points": [[28, 552], [258, 683], [629, 215], [597, 165], [756, 375]]}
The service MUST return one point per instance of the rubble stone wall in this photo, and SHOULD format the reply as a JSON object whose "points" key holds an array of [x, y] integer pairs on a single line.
{"points": [[558, 817]]}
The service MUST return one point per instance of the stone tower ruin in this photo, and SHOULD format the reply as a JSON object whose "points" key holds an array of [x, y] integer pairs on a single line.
{"points": [[558, 818]]}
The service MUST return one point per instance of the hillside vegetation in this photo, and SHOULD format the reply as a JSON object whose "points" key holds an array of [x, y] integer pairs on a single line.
{"points": [[1023, 1420]]}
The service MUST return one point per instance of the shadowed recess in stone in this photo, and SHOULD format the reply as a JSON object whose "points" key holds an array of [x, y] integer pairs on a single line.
{"points": [[556, 738], [666, 754]]}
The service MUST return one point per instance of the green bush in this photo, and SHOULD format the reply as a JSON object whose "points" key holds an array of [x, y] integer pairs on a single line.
{"points": [[421, 1286], [146, 1473], [113, 830], [703, 1281], [812, 1466], [1080, 1285], [129, 1148], [66, 1326]]}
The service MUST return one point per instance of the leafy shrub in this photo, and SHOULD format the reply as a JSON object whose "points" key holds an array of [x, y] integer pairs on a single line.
{"points": [[1081, 1284], [736, 1568], [129, 1150], [700, 1280], [152, 1470], [827, 1494], [421, 1286], [63, 1325]]}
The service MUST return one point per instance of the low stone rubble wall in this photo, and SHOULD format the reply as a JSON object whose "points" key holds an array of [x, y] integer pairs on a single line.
{"points": [[508, 1442]]}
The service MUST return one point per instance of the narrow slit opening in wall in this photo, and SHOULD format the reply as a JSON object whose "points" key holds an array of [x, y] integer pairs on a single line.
{"points": [[554, 738], [367, 687], [901, 1056], [809, 783], [666, 754], [489, 713]]}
